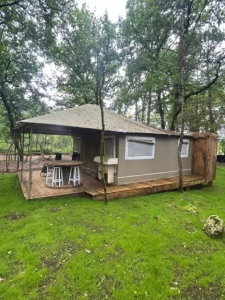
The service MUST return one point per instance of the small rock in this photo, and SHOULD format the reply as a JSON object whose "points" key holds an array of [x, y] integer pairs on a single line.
{"points": [[213, 226]]}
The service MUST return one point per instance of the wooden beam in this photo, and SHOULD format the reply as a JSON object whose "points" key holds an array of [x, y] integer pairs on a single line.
{"points": [[30, 162], [21, 176]]}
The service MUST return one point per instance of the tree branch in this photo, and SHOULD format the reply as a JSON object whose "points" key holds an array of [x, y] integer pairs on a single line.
{"points": [[11, 3], [209, 84]]}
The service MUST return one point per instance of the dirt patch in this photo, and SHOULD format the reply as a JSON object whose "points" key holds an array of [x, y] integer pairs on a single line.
{"points": [[43, 286], [59, 256], [105, 284], [54, 264], [54, 209], [37, 162], [51, 263], [14, 216], [197, 292]]}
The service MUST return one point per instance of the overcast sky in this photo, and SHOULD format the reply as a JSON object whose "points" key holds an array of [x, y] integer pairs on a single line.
{"points": [[115, 8]]}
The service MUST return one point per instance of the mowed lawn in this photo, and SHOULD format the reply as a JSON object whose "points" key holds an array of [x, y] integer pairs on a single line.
{"points": [[149, 247]]}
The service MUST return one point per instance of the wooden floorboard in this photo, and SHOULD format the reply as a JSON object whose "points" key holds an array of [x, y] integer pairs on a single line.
{"points": [[143, 188], [92, 187], [40, 190]]}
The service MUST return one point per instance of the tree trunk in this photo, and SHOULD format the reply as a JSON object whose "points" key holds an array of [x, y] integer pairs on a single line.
{"points": [[102, 153], [18, 145], [182, 71], [143, 109], [210, 111], [160, 108], [149, 105], [7, 158], [175, 110], [136, 110], [15, 137], [40, 144], [8, 110]]}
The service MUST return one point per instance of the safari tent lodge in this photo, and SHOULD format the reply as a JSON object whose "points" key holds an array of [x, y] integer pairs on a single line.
{"points": [[138, 159]]}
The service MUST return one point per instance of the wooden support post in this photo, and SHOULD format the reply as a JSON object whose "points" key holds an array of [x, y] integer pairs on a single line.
{"points": [[21, 176], [30, 162]]}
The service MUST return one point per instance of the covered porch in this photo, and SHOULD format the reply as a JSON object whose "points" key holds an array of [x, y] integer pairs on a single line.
{"points": [[86, 135]]}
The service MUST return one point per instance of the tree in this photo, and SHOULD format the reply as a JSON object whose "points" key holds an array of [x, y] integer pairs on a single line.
{"points": [[25, 30], [151, 42], [203, 67], [86, 49], [191, 34], [146, 32], [87, 52]]}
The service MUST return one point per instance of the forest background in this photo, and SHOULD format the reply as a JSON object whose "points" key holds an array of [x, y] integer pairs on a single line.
{"points": [[162, 64]]}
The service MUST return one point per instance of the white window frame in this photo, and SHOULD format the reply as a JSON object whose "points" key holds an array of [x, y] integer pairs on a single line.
{"points": [[114, 143], [138, 157], [185, 142]]}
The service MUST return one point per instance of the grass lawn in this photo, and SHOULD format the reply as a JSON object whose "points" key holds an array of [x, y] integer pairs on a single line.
{"points": [[148, 247]]}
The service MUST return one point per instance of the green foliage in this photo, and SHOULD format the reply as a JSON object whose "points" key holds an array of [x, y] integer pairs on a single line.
{"points": [[221, 146], [134, 65], [150, 247], [25, 30], [150, 39], [86, 50]]}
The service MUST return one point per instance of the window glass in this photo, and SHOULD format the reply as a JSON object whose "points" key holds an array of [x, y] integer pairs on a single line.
{"points": [[140, 148], [184, 148]]}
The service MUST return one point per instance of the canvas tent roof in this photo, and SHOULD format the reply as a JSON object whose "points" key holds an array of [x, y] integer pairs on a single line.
{"points": [[83, 118]]}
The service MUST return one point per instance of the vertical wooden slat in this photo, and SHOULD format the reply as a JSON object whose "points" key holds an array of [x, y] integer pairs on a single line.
{"points": [[204, 155], [30, 162]]}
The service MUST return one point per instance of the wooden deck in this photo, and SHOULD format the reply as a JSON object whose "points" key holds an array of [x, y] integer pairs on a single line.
{"points": [[91, 187], [144, 188], [40, 190]]}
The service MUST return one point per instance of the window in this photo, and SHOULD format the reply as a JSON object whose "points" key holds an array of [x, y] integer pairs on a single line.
{"points": [[140, 147], [184, 148], [109, 146]]}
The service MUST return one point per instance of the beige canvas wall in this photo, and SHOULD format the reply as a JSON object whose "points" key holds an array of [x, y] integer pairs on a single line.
{"points": [[163, 165]]}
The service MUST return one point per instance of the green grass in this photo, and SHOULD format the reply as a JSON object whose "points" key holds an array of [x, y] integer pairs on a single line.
{"points": [[149, 247]]}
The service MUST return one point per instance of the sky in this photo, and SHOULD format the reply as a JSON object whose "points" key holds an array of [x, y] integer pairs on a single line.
{"points": [[115, 8]]}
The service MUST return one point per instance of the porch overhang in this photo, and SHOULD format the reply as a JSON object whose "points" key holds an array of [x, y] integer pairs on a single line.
{"points": [[51, 129]]}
